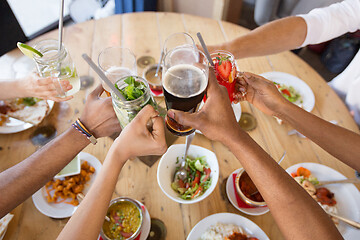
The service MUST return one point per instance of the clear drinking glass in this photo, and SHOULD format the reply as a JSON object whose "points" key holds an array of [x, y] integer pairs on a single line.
{"points": [[175, 40], [180, 39], [116, 63], [185, 78], [127, 110], [57, 64], [229, 81]]}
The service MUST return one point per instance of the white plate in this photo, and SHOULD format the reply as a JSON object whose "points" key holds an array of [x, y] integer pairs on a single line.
{"points": [[236, 108], [251, 229], [63, 210], [298, 84], [230, 192], [347, 196], [14, 125]]}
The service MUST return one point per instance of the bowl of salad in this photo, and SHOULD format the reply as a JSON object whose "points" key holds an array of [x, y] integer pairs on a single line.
{"points": [[202, 173]]}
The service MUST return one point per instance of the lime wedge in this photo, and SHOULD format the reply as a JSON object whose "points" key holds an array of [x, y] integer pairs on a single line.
{"points": [[28, 51]]}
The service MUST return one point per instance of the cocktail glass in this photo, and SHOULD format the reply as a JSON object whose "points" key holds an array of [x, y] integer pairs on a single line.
{"points": [[127, 110], [117, 63], [57, 64], [225, 71]]}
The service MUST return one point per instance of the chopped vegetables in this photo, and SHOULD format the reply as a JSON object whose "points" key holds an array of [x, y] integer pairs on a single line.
{"points": [[197, 181], [289, 93]]}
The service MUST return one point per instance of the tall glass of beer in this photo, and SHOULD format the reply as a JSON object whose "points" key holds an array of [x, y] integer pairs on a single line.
{"points": [[185, 79]]}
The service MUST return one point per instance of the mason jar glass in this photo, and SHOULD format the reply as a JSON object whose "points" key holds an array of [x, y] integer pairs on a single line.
{"points": [[57, 64], [127, 110], [230, 81]]}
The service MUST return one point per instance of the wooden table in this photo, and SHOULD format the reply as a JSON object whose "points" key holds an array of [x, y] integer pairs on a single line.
{"points": [[144, 33]]}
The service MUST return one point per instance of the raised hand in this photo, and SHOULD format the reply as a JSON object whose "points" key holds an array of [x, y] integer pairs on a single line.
{"points": [[137, 140], [98, 115], [260, 92]]}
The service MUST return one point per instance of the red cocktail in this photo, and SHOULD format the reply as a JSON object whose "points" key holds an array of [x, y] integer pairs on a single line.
{"points": [[225, 70]]}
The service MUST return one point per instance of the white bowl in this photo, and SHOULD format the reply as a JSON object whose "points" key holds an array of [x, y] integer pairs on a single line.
{"points": [[167, 165]]}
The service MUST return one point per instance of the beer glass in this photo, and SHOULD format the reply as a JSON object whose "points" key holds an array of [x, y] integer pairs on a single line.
{"points": [[116, 63], [185, 78]]}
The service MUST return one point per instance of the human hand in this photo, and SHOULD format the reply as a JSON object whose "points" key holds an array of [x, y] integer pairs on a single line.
{"points": [[216, 119], [35, 86], [260, 92], [137, 140], [98, 115]]}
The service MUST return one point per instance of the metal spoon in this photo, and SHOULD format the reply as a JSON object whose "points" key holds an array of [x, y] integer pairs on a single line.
{"points": [[206, 51], [160, 61], [351, 180], [181, 173]]}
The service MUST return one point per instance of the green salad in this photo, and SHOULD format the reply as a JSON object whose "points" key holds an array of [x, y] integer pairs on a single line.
{"points": [[197, 181], [289, 93]]}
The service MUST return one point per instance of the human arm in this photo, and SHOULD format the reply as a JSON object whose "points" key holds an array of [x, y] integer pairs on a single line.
{"points": [[274, 37], [33, 86], [89, 217], [339, 142], [291, 206], [319, 25], [25, 178]]}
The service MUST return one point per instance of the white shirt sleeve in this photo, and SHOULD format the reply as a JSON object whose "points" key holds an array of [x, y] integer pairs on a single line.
{"points": [[330, 22]]}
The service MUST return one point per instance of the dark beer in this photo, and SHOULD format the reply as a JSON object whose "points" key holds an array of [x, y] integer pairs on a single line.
{"points": [[184, 87]]}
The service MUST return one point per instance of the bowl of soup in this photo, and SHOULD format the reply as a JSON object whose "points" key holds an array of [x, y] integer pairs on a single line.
{"points": [[247, 190], [124, 220], [153, 81]]}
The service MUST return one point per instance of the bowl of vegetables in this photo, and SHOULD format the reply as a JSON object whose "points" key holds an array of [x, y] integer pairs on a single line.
{"points": [[123, 220], [202, 173]]}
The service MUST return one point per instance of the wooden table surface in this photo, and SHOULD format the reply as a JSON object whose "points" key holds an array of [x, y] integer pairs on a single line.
{"points": [[144, 34]]}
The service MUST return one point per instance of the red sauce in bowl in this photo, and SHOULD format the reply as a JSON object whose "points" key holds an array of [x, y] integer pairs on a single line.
{"points": [[249, 189]]}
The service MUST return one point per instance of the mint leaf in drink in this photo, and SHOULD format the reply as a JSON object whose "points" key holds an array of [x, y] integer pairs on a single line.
{"points": [[133, 90]]}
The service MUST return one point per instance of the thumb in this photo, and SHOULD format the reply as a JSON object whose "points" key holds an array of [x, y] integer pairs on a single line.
{"points": [[184, 118]]}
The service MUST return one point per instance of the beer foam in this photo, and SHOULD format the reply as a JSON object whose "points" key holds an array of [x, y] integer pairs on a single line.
{"points": [[184, 81]]}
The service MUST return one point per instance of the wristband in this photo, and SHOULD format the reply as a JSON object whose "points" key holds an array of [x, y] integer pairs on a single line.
{"points": [[81, 128]]}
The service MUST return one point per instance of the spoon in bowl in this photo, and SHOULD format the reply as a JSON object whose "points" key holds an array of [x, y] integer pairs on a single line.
{"points": [[181, 173]]}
